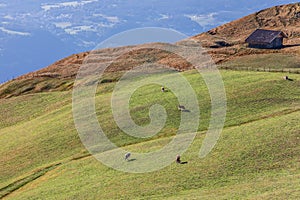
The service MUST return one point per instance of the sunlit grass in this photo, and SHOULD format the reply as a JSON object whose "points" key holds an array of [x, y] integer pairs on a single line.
{"points": [[261, 139]]}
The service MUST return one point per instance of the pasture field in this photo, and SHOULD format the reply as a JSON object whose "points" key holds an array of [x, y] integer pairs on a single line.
{"points": [[276, 62], [256, 157]]}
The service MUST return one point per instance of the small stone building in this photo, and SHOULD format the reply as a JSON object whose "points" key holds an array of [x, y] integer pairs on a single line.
{"points": [[266, 39]]}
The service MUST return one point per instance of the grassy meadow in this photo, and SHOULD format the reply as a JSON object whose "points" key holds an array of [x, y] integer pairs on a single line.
{"points": [[276, 62], [256, 157]]}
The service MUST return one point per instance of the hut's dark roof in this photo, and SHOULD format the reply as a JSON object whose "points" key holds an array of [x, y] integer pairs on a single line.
{"points": [[264, 36]]}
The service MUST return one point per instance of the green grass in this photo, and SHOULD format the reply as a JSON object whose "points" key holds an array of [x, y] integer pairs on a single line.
{"points": [[265, 62], [246, 101], [25, 108], [257, 164], [259, 144], [34, 85]]}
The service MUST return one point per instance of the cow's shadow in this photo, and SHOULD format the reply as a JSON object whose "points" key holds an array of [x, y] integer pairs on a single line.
{"points": [[131, 160]]}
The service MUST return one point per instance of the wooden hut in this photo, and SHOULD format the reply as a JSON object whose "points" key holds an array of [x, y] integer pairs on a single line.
{"points": [[266, 39]]}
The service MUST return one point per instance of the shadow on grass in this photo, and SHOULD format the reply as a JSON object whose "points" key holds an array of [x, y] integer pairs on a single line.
{"points": [[131, 160]]}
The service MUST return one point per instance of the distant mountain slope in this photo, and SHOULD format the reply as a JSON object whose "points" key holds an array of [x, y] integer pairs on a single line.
{"points": [[223, 43]]}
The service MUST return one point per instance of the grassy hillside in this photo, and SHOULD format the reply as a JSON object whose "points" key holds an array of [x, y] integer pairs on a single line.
{"points": [[257, 156], [257, 161], [265, 62]]}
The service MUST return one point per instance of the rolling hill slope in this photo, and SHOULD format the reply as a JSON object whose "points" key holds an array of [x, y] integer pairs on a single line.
{"points": [[42, 155]]}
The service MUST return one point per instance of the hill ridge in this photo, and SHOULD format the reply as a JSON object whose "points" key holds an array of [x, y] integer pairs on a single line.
{"points": [[223, 43]]}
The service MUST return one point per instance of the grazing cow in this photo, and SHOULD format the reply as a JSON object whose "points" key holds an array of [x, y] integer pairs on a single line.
{"points": [[181, 108], [178, 159], [162, 89], [287, 78], [127, 155]]}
